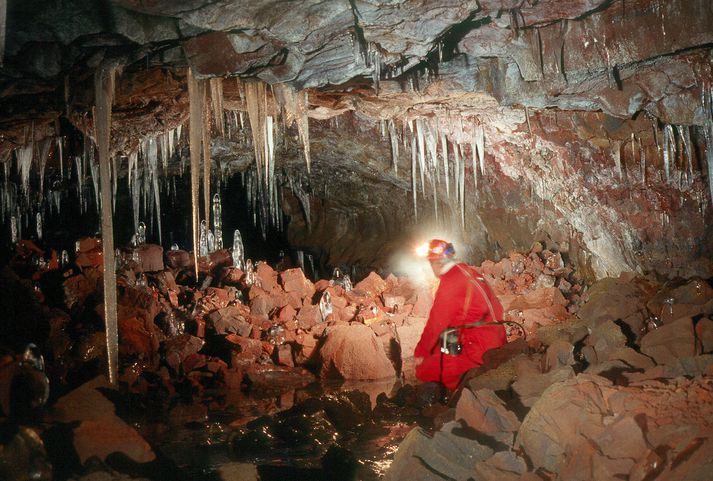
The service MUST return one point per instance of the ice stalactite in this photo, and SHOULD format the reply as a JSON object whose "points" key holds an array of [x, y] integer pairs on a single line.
{"points": [[394, 138], [297, 188], [294, 107], [24, 162], [151, 154], [421, 153], [94, 171], [461, 189], [195, 96], [479, 136], [104, 96], [708, 132], [684, 133], [134, 189], [115, 160], [216, 99], [414, 183], [444, 156], [206, 130], [669, 151], [42, 161]]}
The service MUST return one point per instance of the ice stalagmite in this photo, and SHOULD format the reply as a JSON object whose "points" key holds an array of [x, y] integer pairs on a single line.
{"points": [[104, 96], [195, 96]]}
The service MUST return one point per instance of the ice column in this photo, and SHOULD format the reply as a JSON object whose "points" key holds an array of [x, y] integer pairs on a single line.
{"points": [[104, 97]]}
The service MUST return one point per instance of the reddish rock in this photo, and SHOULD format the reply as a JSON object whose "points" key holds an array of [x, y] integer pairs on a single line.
{"points": [[354, 352], [307, 348], [261, 306], [77, 289], [231, 320], [409, 334], [178, 259], [424, 301], [246, 351], [150, 258], [294, 281], [537, 299], [393, 301], [670, 342], [284, 355], [215, 260], [266, 275], [372, 285], [286, 314], [704, 332], [322, 285], [533, 318], [309, 316], [180, 347], [136, 339], [234, 275], [559, 354], [485, 412]]}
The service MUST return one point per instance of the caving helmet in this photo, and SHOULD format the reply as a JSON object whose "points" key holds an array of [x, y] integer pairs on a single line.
{"points": [[436, 249]]}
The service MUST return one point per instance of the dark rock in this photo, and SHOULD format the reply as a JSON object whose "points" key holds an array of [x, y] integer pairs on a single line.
{"points": [[671, 341]]}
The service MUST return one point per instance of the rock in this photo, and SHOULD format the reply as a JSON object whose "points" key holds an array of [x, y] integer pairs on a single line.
{"points": [[704, 333], [282, 378], [688, 300], [485, 412], [537, 299], [231, 320], [308, 316], [246, 351], [262, 306], [354, 352], [77, 288], [559, 354], [544, 281], [102, 437], [238, 472], [284, 355], [531, 386], [136, 339], [180, 347], [178, 259], [150, 258], [611, 299], [502, 466], [447, 455], [294, 281], [533, 319], [605, 338], [100, 432], [409, 334], [372, 285], [559, 420], [392, 301], [671, 341], [23, 456], [622, 438], [267, 276], [422, 306]]}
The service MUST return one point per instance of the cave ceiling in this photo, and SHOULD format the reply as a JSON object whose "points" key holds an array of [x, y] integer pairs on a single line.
{"points": [[577, 74]]}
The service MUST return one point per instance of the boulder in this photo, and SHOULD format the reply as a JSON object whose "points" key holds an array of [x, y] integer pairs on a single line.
{"points": [[671, 341], [611, 299], [530, 387], [354, 352], [180, 347], [409, 334], [448, 454], [372, 285], [559, 354], [294, 281], [502, 466], [308, 316], [178, 259], [246, 351], [536, 299], [704, 333], [485, 412]]}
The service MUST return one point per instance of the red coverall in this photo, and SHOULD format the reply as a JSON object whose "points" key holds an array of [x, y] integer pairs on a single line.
{"points": [[456, 294]]}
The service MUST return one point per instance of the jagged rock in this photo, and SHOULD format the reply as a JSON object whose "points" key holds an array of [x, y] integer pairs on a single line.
{"points": [[704, 333], [178, 259], [246, 350], [485, 412], [267, 276], [530, 386], [684, 366], [294, 281], [354, 352], [537, 299], [284, 355], [671, 341], [78, 288], [372, 285], [688, 300], [605, 338], [611, 299], [180, 347], [559, 354], [23, 456], [502, 466], [231, 320], [308, 316], [449, 454]]}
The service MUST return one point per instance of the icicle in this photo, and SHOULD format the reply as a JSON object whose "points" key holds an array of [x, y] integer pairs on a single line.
{"points": [[462, 193], [152, 158], [474, 159], [134, 189], [206, 159], [38, 225], [413, 178], [24, 162], [94, 171], [444, 156], [301, 259], [216, 98], [295, 106], [394, 145], [114, 179], [60, 146], [669, 151], [421, 152], [195, 96], [684, 133], [642, 161], [479, 135], [104, 95]]}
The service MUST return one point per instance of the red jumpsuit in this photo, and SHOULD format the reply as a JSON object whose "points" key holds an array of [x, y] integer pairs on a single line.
{"points": [[456, 294]]}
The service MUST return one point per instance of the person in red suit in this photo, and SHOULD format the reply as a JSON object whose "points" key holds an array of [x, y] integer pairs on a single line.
{"points": [[463, 297]]}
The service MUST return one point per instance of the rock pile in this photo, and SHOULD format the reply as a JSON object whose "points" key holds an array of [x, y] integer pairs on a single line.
{"points": [[619, 393]]}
